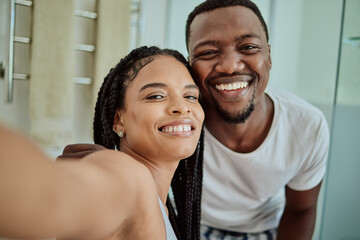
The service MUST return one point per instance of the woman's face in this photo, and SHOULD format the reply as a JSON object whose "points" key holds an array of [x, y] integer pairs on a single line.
{"points": [[162, 117]]}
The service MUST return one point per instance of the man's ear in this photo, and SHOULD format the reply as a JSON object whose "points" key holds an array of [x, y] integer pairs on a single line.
{"points": [[118, 122]]}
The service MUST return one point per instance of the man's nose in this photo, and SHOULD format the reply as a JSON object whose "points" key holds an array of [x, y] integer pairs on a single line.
{"points": [[229, 63]]}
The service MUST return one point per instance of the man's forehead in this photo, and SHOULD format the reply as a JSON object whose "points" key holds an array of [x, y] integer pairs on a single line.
{"points": [[231, 18], [226, 13]]}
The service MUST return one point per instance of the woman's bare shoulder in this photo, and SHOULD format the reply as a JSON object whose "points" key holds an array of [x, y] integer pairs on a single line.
{"points": [[145, 215], [120, 164], [135, 178]]}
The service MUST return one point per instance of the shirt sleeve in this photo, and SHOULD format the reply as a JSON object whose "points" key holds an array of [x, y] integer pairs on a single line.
{"points": [[314, 167]]}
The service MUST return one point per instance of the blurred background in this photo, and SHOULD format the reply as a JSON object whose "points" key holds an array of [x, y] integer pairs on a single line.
{"points": [[54, 55]]}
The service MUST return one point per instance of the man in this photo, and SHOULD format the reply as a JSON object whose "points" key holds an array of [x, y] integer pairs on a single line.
{"points": [[257, 143], [265, 150]]}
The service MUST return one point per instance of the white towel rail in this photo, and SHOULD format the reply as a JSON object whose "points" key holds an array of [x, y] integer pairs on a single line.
{"points": [[11, 76]]}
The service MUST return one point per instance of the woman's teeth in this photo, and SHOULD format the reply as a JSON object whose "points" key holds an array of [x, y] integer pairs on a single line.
{"points": [[178, 128]]}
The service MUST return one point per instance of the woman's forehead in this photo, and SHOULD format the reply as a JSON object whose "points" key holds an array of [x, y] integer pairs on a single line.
{"points": [[164, 68]]}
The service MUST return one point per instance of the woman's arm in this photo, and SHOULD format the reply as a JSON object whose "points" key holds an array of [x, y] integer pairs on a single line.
{"points": [[86, 199]]}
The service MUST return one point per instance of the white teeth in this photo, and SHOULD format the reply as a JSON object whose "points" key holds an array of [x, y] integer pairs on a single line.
{"points": [[178, 128], [232, 86]]}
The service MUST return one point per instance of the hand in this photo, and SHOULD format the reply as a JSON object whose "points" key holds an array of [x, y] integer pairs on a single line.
{"points": [[80, 150]]}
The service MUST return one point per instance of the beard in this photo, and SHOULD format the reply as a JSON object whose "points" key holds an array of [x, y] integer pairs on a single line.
{"points": [[237, 117], [234, 117]]}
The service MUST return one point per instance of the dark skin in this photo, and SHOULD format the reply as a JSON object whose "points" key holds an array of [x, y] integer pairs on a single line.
{"points": [[299, 214], [79, 150], [228, 46]]}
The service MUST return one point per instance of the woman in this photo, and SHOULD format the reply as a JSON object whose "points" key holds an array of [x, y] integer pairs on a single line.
{"points": [[148, 109]]}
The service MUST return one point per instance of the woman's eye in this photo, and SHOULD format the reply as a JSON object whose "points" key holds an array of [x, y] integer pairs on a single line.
{"points": [[191, 97], [155, 97]]}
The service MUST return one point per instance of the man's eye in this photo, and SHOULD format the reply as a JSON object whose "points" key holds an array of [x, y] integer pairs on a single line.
{"points": [[249, 48], [206, 54]]}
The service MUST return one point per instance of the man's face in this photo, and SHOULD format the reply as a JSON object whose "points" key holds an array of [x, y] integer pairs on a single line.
{"points": [[229, 54]]}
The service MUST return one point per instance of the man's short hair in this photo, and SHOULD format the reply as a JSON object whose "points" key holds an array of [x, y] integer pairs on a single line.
{"points": [[211, 5]]}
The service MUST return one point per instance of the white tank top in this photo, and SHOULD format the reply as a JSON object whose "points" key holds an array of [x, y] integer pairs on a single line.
{"points": [[170, 234]]}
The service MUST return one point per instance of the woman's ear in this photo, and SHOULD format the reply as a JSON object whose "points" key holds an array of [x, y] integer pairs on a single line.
{"points": [[118, 123]]}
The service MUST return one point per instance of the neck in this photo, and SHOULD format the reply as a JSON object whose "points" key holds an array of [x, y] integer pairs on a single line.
{"points": [[162, 171], [242, 137], [162, 177]]}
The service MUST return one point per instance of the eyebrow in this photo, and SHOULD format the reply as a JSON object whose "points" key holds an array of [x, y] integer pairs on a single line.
{"points": [[210, 42], [242, 37], [152, 85], [215, 43], [163, 85], [192, 86]]}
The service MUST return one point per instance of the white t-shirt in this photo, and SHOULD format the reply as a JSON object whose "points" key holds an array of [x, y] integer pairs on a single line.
{"points": [[244, 192]]}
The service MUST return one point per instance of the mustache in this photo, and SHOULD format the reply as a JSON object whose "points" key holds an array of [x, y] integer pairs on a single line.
{"points": [[226, 75]]}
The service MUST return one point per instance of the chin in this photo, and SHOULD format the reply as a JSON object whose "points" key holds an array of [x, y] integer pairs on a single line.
{"points": [[183, 153]]}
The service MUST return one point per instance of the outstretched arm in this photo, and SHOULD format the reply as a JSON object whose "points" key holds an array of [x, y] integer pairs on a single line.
{"points": [[40, 198], [298, 220]]}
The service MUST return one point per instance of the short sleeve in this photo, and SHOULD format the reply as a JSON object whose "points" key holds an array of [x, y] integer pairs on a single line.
{"points": [[313, 169]]}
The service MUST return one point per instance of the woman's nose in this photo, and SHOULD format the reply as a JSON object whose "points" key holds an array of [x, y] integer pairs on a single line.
{"points": [[178, 107]]}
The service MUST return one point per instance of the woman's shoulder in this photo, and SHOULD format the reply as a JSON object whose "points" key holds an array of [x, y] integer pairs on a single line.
{"points": [[123, 166], [145, 215]]}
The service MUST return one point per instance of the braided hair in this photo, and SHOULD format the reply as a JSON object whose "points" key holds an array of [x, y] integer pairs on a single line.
{"points": [[187, 181], [211, 5]]}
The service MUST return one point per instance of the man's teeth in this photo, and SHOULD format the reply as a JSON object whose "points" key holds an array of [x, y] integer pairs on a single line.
{"points": [[232, 86], [178, 128]]}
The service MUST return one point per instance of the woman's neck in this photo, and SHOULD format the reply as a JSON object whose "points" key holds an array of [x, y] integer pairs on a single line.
{"points": [[162, 171]]}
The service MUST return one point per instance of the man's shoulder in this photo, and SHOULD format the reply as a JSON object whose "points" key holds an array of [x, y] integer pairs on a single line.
{"points": [[291, 103]]}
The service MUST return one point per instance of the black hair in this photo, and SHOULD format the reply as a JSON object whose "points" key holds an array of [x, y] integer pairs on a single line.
{"points": [[187, 180], [211, 5]]}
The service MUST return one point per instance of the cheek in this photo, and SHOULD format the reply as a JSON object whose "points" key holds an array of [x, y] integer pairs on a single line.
{"points": [[201, 71], [199, 114], [261, 67]]}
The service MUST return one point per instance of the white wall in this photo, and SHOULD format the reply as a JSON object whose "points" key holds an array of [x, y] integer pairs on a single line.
{"points": [[153, 23], [178, 12], [342, 197]]}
